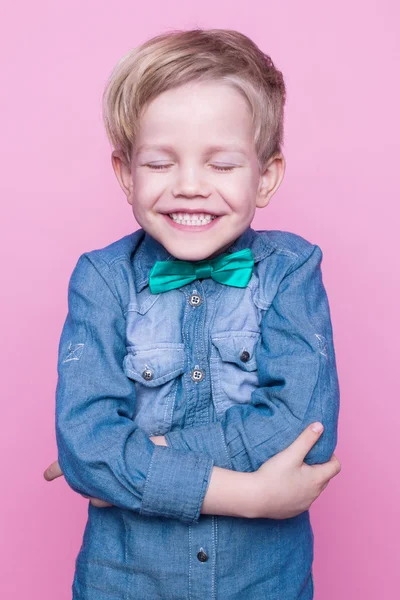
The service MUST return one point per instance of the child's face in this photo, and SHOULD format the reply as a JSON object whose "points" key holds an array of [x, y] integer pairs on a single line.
{"points": [[175, 169]]}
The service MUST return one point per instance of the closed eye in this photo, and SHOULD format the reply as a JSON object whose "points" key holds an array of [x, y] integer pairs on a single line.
{"points": [[223, 168], [216, 167], [157, 167]]}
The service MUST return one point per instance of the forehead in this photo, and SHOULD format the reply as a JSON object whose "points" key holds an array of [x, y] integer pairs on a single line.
{"points": [[197, 111]]}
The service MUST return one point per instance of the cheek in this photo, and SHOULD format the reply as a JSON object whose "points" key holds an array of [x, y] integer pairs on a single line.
{"points": [[239, 184], [150, 191], [243, 204], [147, 190], [239, 196]]}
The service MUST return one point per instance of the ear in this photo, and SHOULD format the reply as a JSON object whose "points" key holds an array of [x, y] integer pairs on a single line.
{"points": [[270, 179], [123, 173]]}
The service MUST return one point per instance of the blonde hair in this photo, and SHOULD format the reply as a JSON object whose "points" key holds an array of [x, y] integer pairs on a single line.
{"points": [[177, 57]]}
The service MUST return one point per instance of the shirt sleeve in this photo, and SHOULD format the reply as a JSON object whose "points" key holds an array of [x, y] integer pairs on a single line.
{"points": [[298, 382], [101, 452]]}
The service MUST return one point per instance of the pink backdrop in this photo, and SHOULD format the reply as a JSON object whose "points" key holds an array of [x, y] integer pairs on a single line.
{"points": [[61, 198]]}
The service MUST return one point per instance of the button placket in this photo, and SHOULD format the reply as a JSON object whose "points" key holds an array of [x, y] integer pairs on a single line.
{"points": [[202, 536]]}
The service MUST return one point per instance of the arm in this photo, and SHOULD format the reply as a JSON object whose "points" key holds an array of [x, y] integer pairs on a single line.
{"points": [[298, 381], [101, 452]]}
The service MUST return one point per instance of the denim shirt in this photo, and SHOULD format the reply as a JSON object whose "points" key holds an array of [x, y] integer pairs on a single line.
{"points": [[231, 376]]}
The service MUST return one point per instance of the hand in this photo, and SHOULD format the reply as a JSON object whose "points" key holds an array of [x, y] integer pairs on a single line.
{"points": [[53, 471], [158, 440], [285, 486]]}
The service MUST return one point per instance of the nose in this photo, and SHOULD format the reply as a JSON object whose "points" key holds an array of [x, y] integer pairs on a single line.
{"points": [[190, 182]]}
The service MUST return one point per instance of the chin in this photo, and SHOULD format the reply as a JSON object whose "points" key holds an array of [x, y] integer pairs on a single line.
{"points": [[190, 256], [196, 256]]}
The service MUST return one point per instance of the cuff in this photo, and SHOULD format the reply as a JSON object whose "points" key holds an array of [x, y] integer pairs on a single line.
{"points": [[176, 484], [207, 439]]}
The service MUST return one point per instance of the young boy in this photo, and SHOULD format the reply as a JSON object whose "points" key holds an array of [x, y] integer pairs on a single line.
{"points": [[197, 351]]}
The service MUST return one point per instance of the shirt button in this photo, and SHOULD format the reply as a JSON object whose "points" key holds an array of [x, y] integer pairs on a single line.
{"points": [[202, 556], [244, 356], [197, 374], [147, 374], [195, 300]]}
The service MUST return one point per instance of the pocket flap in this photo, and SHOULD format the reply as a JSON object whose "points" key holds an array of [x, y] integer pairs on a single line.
{"points": [[154, 365], [237, 347]]}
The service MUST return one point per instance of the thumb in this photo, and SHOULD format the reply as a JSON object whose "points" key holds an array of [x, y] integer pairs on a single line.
{"points": [[305, 441], [53, 471]]}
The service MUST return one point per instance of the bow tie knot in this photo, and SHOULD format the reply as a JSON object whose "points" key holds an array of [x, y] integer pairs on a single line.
{"points": [[230, 269], [202, 271]]}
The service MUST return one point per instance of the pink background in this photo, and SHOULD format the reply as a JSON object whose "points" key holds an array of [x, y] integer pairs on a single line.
{"points": [[60, 198]]}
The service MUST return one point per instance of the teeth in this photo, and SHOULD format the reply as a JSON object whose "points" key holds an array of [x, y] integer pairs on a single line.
{"points": [[192, 219]]}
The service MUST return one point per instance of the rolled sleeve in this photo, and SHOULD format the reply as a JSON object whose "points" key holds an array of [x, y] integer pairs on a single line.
{"points": [[169, 472], [205, 438], [298, 380], [101, 451]]}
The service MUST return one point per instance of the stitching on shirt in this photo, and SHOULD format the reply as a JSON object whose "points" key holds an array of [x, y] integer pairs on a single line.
{"points": [[102, 266], [167, 403], [158, 346], [126, 554], [213, 390], [286, 251], [170, 403], [144, 307], [224, 446], [228, 336], [320, 396], [147, 479], [201, 321], [191, 411], [189, 391], [74, 352], [218, 398], [145, 279], [174, 371], [190, 560], [323, 345], [138, 257]]}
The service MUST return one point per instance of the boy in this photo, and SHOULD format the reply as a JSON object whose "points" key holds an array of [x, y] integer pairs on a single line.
{"points": [[197, 350]]}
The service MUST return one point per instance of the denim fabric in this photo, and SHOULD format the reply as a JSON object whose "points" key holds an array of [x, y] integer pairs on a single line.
{"points": [[230, 376]]}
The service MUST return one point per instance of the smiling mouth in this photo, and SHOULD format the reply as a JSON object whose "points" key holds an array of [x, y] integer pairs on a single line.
{"points": [[193, 225], [193, 220]]}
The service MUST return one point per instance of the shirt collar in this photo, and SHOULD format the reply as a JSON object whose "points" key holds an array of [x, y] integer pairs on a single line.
{"points": [[150, 250]]}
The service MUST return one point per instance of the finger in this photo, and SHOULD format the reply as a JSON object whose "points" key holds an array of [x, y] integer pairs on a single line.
{"points": [[303, 443], [53, 471], [99, 503], [327, 470]]}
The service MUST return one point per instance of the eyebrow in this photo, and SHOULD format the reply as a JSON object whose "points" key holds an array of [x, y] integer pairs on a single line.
{"points": [[213, 148]]}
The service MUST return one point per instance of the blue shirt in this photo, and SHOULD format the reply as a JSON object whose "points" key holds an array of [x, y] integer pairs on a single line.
{"points": [[231, 376]]}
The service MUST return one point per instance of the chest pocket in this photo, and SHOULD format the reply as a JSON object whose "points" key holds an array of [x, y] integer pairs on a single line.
{"points": [[233, 368], [156, 371]]}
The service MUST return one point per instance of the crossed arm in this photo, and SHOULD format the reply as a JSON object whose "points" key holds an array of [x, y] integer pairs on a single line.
{"points": [[104, 455]]}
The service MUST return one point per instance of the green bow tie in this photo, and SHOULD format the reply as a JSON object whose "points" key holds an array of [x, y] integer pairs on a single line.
{"points": [[230, 269]]}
